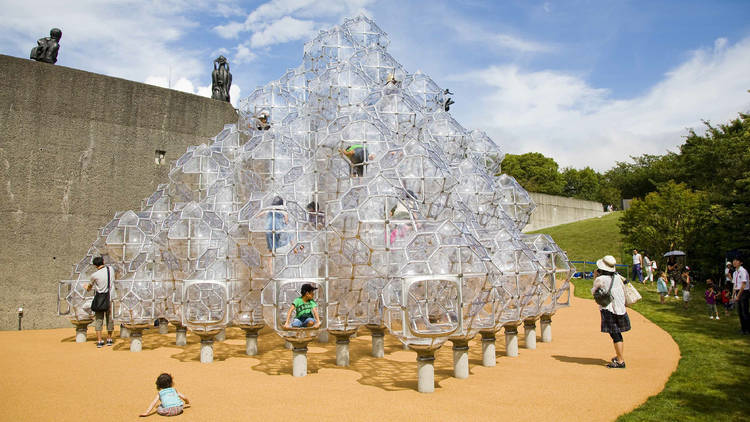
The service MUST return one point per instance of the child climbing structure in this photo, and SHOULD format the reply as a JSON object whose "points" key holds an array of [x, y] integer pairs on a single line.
{"points": [[347, 174]]}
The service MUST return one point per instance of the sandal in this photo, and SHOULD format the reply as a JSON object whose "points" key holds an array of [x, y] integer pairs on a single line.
{"points": [[616, 364]]}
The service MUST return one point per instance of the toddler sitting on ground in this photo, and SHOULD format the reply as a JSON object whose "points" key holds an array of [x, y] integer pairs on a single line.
{"points": [[172, 402]]}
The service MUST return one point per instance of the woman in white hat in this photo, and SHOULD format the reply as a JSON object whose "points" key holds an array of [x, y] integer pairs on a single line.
{"points": [[615, 320]]}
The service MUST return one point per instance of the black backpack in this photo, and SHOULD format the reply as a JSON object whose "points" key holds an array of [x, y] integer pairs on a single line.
{"points": [[100, 303]]}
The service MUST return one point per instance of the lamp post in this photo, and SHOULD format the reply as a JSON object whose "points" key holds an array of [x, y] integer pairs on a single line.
{"points": [[20, 316]]}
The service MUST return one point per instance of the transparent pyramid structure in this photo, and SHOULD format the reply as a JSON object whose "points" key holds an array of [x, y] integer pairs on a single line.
{"points": [[346, 173]]}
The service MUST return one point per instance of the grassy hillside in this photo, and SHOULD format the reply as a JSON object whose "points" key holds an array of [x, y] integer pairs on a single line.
{"points": [[589, 239], [710, 383]]}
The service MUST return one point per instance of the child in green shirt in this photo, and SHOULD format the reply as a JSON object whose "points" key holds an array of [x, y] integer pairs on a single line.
{"points": [[305, 309]]}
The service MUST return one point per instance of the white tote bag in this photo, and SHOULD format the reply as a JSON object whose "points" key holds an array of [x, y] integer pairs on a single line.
{"points": [[631, 294]]}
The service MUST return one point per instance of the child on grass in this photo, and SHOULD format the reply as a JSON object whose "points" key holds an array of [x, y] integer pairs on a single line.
{"points": [[726, 300], [172, 402], [711, 296], [661, 286]]}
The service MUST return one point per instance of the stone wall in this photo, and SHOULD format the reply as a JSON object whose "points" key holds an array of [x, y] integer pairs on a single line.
{"points": [[74, 148], [554, 210]]}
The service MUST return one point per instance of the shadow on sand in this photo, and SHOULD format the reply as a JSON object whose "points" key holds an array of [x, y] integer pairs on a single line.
{"points": [[397, 370], [581, 361]]}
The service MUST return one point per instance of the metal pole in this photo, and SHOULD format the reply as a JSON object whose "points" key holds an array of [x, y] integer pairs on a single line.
{"points": [[20, 316]]}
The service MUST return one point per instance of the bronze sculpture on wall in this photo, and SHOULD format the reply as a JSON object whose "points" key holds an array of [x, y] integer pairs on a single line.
{"points": [[221, 79], [47, 48]]}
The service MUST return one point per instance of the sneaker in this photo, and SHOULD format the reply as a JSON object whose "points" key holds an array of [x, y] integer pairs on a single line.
{"points": [[110, 342], [616, 364], [717, 317], [99, 344], [712, 317]]}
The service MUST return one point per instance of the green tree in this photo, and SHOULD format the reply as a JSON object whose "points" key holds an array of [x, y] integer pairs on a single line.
{"points": [[535, 172], [718, 163], [637, 179], [670, 218], [581, 184]]}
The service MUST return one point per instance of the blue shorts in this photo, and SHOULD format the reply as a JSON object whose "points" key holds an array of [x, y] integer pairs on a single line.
{"points": [[299, 323]]}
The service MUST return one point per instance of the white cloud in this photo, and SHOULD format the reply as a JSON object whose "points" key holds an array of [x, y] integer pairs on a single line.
{"points": [[205, 91], [230, 30], [471, 32], [518, 44], [280, 21], [234, 94], [562, 116], [185, 85], [283, 30], [276, 9], [157, 81], [243, 54]]}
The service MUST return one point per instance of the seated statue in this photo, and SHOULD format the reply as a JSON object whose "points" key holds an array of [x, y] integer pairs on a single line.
{"points": [[47, 48], [221, 79]]}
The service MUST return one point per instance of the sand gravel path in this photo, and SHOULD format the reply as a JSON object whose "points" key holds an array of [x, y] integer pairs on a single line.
{"points": [[46, 376]]}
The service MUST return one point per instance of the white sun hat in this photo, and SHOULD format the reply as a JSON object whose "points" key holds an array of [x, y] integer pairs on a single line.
{"points": [[607, 263]]}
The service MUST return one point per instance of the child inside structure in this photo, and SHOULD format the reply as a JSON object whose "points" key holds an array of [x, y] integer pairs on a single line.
{"points": [[305, 310]]}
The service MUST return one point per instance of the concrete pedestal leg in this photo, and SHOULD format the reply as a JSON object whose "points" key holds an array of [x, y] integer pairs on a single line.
{"points": [[299, 360], [378, 343], [207, 350], [342, 350], [163, 326], [488, 349], [124, 332], [511, 341], [81, 333], [181, 336], [460, 359], [136, 340], [221, 335], [323, 337], [546, 326], [426, 372], [251, 342], [529, 328]]}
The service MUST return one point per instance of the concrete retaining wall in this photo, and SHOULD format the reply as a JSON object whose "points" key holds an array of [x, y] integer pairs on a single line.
{"points": [[74, 148], [554, 210]]}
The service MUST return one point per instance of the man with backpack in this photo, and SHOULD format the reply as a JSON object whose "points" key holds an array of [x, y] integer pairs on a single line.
{"points": [[102, 281]]}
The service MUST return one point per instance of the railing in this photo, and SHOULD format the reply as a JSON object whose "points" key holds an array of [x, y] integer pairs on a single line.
{"points": [[582, 273]]}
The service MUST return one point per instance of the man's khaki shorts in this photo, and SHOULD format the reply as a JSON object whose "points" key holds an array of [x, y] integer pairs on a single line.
{"points": [[99, 321]]}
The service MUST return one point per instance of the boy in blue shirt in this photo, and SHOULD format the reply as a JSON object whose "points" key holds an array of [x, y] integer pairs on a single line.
{"points": [[305, 309]]}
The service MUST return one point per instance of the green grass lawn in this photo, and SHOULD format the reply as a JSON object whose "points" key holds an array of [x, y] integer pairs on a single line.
{"points": [[712, 381]]}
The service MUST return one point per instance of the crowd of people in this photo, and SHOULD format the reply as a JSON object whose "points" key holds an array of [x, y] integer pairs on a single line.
{"points": [[733, 293], [610, 291]]}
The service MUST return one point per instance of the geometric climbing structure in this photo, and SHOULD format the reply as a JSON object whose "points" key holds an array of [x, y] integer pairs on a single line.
{"points": [[418, 233]]}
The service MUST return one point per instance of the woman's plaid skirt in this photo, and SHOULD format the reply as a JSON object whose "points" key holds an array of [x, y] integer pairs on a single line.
{"points": [[613, 323]]}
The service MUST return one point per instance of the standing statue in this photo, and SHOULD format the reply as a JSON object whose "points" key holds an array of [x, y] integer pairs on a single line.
{"points": [[221, 79], [47, 48]]}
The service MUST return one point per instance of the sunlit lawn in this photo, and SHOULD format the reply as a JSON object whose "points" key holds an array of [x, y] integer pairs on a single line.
{"points": [[712, 381]]}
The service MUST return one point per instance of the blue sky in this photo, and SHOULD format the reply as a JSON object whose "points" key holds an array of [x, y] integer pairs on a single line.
{"points": [[585, 82]]}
